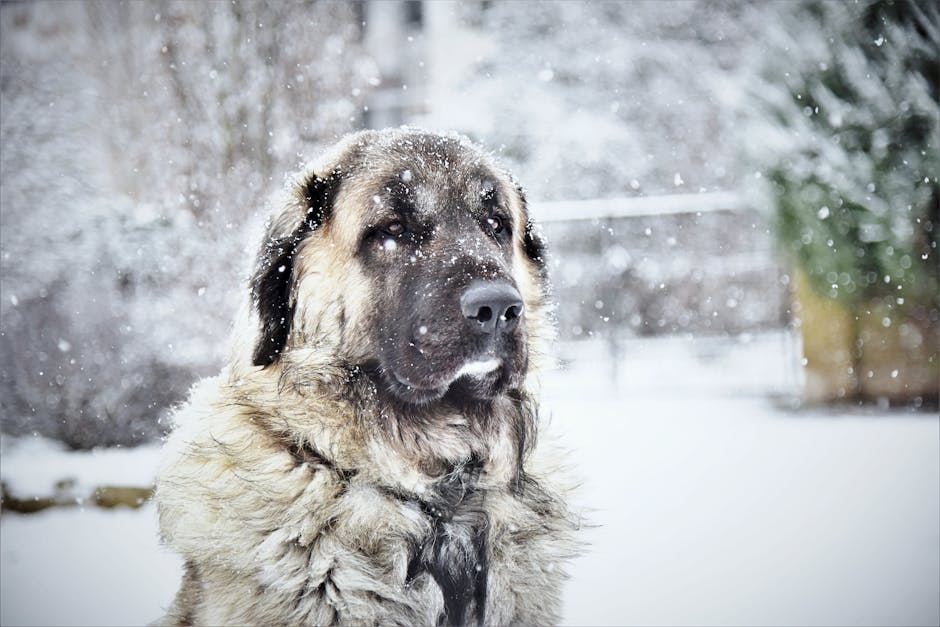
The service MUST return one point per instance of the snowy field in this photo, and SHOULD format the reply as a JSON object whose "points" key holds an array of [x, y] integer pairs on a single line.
{"points": [[714, 504]]}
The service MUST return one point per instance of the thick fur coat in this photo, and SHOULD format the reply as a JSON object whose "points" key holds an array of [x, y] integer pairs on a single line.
{"points": [[369, 454]]}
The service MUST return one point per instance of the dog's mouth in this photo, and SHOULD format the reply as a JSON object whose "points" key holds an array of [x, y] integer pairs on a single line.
{"points": [[477, 368], [478, 378]]}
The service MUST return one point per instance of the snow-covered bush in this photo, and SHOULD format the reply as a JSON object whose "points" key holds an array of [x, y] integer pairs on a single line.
{"points": [[844, 129], [848, 136]]}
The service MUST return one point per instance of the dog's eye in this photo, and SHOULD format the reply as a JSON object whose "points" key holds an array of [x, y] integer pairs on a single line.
{"points": [[394, 228], [495, 223]]}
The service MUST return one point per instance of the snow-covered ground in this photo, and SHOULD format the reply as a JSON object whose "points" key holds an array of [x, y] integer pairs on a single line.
{"points": [[714, 504], [81, 565], [718, 507]]}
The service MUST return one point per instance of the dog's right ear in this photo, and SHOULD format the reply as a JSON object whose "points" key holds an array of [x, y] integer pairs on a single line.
{"points": [[273, 278]]}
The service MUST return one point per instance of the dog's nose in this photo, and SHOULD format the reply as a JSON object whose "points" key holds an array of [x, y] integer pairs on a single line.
{"points": [[492, 305]]}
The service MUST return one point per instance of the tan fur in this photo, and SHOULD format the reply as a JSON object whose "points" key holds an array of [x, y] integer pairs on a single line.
{"points": [[292, 504]]}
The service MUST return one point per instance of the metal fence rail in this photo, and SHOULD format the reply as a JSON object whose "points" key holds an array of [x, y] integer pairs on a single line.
{"points": [[636, 206]]}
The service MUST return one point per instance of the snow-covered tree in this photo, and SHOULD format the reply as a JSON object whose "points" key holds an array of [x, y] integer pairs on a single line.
{"points": [[140, 141], [594, 99]]}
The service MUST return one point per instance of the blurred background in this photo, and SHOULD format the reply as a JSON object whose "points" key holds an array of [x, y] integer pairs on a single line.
{"points": [[741, 202]]}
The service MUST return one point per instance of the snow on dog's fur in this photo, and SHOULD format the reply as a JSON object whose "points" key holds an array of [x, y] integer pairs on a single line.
{"points": [[369, 453]]}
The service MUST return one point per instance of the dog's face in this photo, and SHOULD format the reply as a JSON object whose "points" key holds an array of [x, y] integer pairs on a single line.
{"points": [[413, 258]]}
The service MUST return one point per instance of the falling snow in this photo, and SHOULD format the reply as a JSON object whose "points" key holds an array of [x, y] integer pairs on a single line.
{"points": [[142, 147]]}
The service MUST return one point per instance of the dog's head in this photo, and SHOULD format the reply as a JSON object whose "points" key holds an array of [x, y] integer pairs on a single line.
{"points": [[411, 255]]}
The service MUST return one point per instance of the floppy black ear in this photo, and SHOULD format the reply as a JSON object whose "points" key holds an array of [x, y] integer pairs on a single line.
{"points": [[532, 242], [273, 277]]}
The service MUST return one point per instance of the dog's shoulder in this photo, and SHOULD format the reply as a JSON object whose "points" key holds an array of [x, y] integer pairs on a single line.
{"points": [[227, 479], [534, 531], [276, 527]]}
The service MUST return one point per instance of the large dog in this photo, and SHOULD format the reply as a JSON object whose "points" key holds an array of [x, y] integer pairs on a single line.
{"points": [[369, 454]]}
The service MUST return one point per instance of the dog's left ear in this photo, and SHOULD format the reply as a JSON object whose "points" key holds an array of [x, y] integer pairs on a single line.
{"points": [[532, 242], [273, 278]]}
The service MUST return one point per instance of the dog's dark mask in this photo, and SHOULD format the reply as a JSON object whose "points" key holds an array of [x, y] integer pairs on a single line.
{"points": [[450, 318]]}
